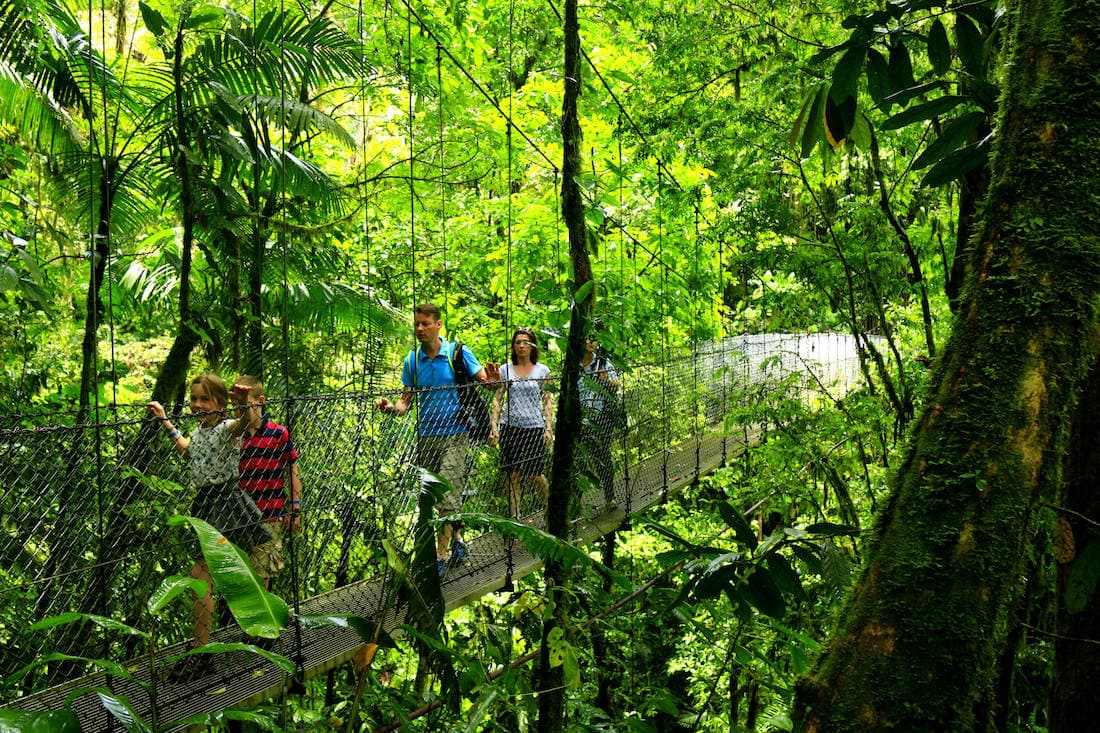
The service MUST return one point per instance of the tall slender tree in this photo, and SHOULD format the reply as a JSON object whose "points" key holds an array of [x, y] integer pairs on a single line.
{"points": [[561, 505]]}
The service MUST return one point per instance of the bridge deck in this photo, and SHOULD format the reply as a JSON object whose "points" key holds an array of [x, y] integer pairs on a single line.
{"points": [[81, 534], [243, 679]]}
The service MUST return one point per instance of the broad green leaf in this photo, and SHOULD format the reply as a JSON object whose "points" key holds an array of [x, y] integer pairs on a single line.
{"points": [[815, 128], [785, 576], [542, 544], [226, 647], [721, 580], [668, 533], [108, 666], [216, 721], [832, 529], [825, 53], [671, 557], [939, 48], [803, 114], [878, 78], [204, 15], [922, 112], [395, 558], [584, 291], [153, 20], [121, 709], [736, 521], [257, 611], [954, 134], [901, 68], [546, 290], [846, 75], [368, 630], [9, 278], [38, 721], [107, 623], [571, 668], [903, 96], [762, 592], [839, 120], [809, 558], [172, 586], [482, 710], [620, 75], [957, 164], [969, 42], [1084, 574]]}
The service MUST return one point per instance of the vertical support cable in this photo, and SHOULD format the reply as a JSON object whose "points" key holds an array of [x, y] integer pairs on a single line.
{"points": [[694, 345], [725, 347], [93, 313], [412, 160], [624, 432], [666, 402], [509, 546], [442, 170], [508, 144], [292, 540]]}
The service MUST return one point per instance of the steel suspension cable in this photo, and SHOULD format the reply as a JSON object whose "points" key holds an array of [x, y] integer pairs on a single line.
{"points": [[695, 344], [623, 433], [93, 313], [412, 156], [477, 85], [667, 422], [442, 168], [299, 656]]}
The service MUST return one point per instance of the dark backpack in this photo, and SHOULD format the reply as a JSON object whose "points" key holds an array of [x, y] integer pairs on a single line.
{"points": [[473, 412], [612, 414]]}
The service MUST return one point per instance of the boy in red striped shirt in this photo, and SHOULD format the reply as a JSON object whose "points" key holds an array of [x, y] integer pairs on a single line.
{"points": [[268, 457]]}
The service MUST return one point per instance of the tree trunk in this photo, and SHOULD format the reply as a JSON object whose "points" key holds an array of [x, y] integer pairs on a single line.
{"points": [[600, 657], [93, 304], [918, 644], [561, 506], [1074, 705]]}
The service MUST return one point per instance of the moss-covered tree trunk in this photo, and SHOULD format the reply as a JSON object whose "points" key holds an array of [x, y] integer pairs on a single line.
{"points": [[1074, 704], [918, 642]]}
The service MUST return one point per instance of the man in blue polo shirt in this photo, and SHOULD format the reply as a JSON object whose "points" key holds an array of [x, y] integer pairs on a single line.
{"points": [[442, 443]]}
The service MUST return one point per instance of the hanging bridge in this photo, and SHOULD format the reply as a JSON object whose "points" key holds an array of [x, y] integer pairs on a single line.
{"points": [[84, 512]]}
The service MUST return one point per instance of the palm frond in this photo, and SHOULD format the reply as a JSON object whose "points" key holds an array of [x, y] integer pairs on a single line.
{"points": [[280, 52], [43, 123], [297, 117], [332, 307]]}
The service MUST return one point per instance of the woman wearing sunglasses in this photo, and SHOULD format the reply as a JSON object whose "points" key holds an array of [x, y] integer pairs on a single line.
{"points": [[527, 426]]}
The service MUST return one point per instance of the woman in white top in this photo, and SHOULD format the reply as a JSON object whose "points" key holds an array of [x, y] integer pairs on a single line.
{"points": [[527, 427]]}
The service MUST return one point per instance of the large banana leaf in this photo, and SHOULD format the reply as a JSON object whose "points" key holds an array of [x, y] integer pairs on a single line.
{"points": [[26, 721], [258, 612]]}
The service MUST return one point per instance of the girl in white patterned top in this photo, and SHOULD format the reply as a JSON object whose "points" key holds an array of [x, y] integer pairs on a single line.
{"points": [[213, 455]]}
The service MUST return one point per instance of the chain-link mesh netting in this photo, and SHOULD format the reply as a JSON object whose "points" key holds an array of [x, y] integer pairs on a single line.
{"points": [[85, 502]]}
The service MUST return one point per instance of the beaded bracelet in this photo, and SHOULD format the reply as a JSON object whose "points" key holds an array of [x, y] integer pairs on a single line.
{"points": [[173, 435]]}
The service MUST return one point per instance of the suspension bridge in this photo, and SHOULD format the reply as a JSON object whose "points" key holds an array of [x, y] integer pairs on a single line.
{"points": [[85, 506]]}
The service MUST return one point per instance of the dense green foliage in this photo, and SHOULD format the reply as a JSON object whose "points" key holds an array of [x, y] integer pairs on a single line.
{"points": [[266, 188]]}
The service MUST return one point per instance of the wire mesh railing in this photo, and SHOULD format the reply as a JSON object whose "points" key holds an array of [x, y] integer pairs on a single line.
{"points": [[85, 507]]}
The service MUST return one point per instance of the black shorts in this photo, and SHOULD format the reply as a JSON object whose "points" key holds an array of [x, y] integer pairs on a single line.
{"points": [[522, 450], [232, 512]]}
